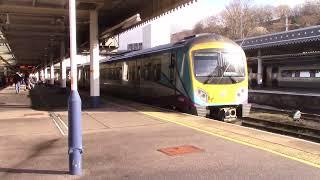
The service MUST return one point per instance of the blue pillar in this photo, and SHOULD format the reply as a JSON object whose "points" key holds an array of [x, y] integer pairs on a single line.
{"points": [[74, 104], [75, 136]]}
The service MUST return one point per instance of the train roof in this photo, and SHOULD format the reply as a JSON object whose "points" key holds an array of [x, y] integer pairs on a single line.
{"points": [[188, 41]]}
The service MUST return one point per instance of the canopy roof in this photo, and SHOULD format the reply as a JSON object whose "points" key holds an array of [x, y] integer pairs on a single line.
{"points": [[34, 29]]}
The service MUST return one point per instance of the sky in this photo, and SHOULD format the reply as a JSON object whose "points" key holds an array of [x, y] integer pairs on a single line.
{"points": [[186, 17], [190, 15]]}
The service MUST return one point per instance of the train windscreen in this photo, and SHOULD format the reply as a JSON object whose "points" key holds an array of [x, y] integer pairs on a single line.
{"points": [[218, 67], [205, 62]]}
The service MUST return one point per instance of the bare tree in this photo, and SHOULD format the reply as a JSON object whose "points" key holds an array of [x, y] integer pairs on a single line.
{"points": [[212, 24], [238, 18], [308, 14], [263, 15], [282, 11], [241, 19]]}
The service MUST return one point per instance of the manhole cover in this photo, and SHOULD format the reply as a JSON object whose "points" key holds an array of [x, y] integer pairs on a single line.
{"points": [[33, 114], [180, 150]]}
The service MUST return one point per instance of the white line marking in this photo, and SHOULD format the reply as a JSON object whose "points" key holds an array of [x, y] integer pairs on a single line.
{"points": [[64, 124], [61, 131]]}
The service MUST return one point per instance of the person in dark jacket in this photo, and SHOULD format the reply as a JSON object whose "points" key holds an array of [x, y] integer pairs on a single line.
{"points": [[27, 80], [17, 80]]}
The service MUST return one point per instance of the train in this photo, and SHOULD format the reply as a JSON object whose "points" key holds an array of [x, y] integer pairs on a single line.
{"points": [[204, 75], [290, 76]]}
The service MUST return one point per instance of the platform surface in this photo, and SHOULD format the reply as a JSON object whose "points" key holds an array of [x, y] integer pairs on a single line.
{"points": [[124, 139]]}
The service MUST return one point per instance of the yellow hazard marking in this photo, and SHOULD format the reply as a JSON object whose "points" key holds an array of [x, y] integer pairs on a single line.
{"points": [[204, 125]]}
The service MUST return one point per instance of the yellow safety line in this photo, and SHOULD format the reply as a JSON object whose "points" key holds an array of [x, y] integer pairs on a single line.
{"points": [[193, 126], [240, 142]]}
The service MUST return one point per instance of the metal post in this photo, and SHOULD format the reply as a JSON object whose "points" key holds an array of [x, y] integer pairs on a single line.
{"points": [[94, 59], [259, 75], [63, 68], [38, 76], [125, 71], [5, 70], [45, 72], [51, 71], [287, 23], [41, 75], [74, 108]]}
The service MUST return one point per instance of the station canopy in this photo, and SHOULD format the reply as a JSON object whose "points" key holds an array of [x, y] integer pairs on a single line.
{"points": [[32, 30]]}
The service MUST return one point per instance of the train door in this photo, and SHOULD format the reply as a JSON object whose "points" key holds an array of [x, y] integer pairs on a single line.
{"points": [[172, 71]]}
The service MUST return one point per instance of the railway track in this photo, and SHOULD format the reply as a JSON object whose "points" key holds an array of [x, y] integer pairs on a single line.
{"points": [[311, 117], [304, 116], [301, 129]]}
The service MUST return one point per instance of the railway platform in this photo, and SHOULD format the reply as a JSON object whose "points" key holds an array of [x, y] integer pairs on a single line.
{"points": [[129, 140]]}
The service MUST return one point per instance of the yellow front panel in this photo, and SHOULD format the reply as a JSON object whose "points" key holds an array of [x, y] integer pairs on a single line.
{"points": [[219, 94]]}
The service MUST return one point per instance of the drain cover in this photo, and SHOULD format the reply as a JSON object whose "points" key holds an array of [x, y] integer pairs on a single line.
{"points": [[180, 150]]}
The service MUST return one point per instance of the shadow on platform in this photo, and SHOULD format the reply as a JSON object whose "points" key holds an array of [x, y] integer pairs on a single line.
{"points": [[31, 171], [45, 98]]}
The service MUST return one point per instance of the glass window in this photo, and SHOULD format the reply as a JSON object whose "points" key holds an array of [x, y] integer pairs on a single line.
{"points": [[158, 72], [206, 63], [286, 73], [317, 73], [218, 64], [304, 74], [232, 65], [312, 73]]}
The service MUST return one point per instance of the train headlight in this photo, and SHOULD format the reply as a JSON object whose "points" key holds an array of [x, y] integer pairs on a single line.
{"points": [[202, 95]]}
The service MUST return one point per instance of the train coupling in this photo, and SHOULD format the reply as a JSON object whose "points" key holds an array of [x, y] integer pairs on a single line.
{"points": [[227, 114]]}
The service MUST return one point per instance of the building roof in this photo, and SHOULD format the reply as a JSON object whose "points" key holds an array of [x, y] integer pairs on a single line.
{"points": [[298, 36]]}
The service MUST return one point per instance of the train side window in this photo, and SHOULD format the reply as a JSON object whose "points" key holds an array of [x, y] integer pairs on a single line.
{"points": [[127, 75], [312, 73], [133, 73], [172, 66], [149, 71], [304, 74], [139, 73], [145, 72], [317, 74], [157, 72], [286, 73], [296, 73], [111, 73], [120, 74]]}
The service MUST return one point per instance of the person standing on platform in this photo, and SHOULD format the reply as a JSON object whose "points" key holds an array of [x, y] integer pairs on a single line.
{"points": [[27, 80], [17, 80]]}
